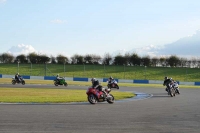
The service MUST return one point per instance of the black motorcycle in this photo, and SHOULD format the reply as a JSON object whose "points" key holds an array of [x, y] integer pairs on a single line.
{"points": [[171, 90], [20, 81], [112, 84]]}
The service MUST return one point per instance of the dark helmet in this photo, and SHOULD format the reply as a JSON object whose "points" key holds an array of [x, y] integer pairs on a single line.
{"points": [[57, 75], [111, 77], [166, 77]]}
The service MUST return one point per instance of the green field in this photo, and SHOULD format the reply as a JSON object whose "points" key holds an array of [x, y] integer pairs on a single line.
{"points": [[101, 71]]}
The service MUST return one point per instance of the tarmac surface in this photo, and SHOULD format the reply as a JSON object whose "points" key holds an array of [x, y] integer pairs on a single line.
{"points": [[152, 111]]}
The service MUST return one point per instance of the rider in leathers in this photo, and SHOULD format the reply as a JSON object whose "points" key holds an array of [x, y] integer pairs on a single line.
{"points": [[96, 85], [167, 83]]}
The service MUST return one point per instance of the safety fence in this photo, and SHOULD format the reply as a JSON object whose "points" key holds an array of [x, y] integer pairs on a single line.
{"points": [[100, 79]]}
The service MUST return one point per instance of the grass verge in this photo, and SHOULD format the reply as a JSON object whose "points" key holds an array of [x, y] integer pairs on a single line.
{"points": [[41, 95]]}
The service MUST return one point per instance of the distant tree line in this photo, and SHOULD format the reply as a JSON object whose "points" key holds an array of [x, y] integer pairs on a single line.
{"points": [[128, 59]]}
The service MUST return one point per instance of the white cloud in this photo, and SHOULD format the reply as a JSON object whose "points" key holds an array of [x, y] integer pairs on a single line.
{"points": [[2, 1], [21, 49], [58, 21]]}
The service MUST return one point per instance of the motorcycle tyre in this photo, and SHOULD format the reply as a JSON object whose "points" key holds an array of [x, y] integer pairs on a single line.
{"points": [[65, 84], [23, 82], [111, 101], [177, 91], [13, 82], [55, 83], [92, 99], [171, 92], [117, 86]]}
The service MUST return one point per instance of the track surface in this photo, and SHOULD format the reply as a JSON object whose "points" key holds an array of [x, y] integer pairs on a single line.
{"points": [[158, 114]]}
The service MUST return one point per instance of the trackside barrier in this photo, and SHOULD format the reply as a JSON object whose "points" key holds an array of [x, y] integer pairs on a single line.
{"points": [[100, 79]]}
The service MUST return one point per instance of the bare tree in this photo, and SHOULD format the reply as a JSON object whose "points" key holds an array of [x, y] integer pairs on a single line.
{"points": [[183, 62], [154, 61], [194, 62], [88, 59], [107, 59], [96, 59], [127, 57]]}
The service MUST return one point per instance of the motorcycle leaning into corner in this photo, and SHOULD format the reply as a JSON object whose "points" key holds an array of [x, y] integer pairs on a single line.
{"points": [[20, 81], [171, 90], [60, 81], [95, 95], [176, 87], [112, 84]]}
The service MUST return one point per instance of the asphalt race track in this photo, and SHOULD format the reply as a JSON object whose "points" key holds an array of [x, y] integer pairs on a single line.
{"points": [[158, 113]]}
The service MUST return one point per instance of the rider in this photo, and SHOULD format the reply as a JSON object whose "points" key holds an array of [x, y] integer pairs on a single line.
{"points": [[167, 82], [96, 85], [110, 79], [58, 78], [17, 77]]}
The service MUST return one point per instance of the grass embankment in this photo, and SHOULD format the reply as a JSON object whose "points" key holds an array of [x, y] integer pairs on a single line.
{"points": [[101, 71]]}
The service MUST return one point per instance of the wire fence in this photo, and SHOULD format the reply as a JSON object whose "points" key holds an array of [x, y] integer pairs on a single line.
{"points": [[102, 71]]}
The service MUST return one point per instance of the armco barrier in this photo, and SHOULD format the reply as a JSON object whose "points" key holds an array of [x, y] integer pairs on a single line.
{"points": [[100, 79]]}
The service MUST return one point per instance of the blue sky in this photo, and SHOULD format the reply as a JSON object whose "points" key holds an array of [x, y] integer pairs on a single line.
{"points": [[94, 26]]}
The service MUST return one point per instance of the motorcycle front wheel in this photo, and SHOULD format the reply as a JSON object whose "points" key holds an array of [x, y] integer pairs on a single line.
{"points": [[23, 82], [92, 99], [110, 99], [172, 92], [117, 86]]}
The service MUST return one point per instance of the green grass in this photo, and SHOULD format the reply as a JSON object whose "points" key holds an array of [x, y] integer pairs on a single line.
{"points": [[101, 71], [39, 95]]}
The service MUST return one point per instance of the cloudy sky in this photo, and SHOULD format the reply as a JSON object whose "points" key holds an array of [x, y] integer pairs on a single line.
{"points": [[148, 27]]}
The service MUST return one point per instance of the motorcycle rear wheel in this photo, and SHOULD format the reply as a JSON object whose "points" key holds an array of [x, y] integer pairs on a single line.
{"points": [[13, 82], [55, 83], [92, 99], [65, 84]]}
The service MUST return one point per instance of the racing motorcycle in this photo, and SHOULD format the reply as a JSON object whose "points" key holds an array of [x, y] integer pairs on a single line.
{"points": [[176, 87], [21, 81], [171, 90], [60, 82], [94, 96], [112, 84]]}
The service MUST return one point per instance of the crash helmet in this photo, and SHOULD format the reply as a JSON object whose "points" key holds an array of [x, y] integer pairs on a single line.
{"points": [[166, 78], [93, 79], [111, 77], [57, 75]]}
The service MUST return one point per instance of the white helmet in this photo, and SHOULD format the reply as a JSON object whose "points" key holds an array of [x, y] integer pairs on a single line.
{"points": [[93, 79]]}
